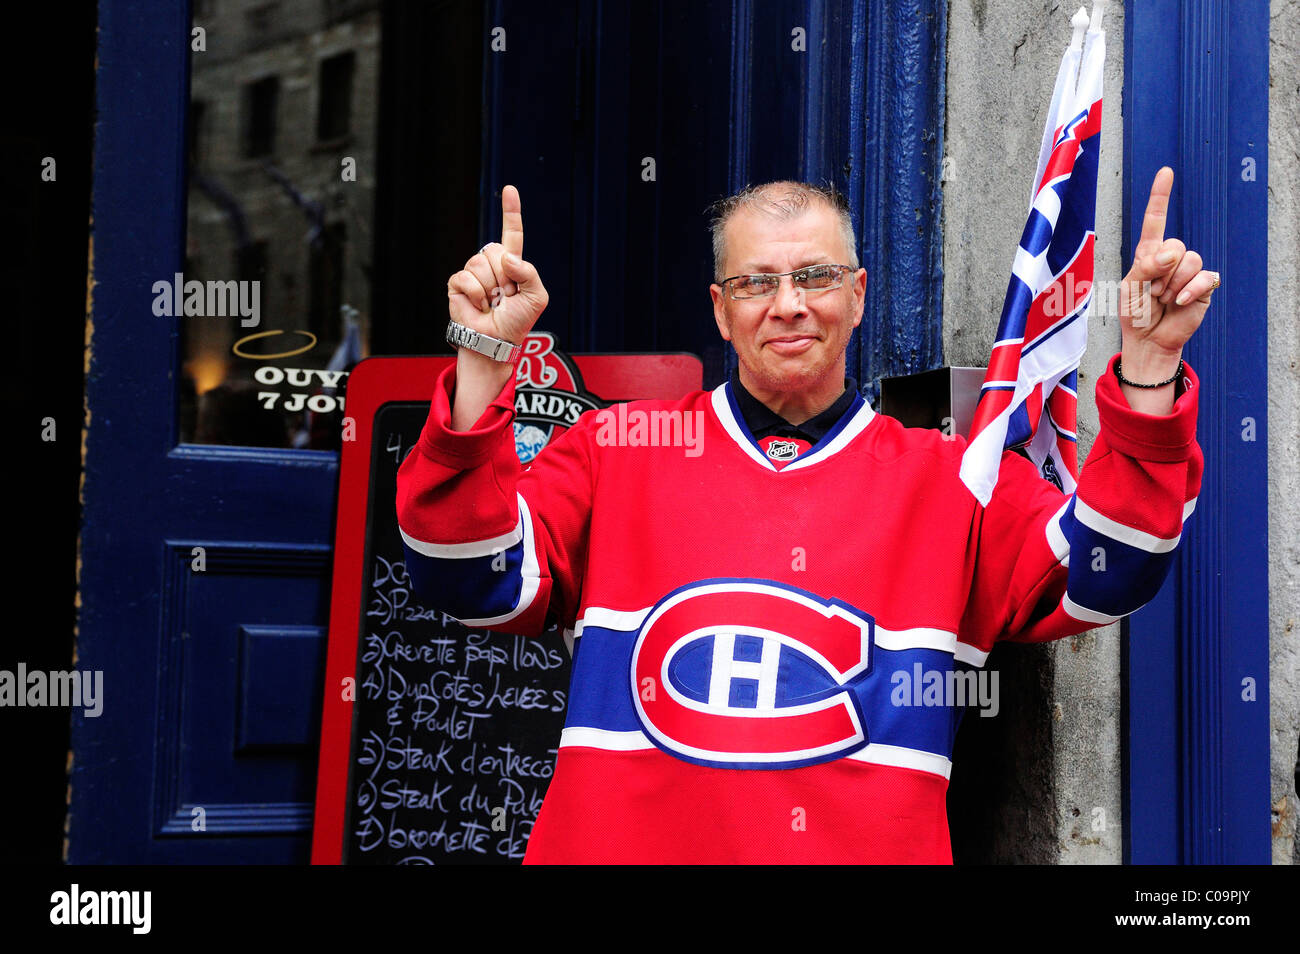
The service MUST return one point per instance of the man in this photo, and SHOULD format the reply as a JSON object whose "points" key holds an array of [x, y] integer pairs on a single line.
{"points": [[736, 642]]}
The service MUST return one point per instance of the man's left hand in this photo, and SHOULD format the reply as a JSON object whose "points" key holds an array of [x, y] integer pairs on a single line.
{"points": [[1163, 300]]}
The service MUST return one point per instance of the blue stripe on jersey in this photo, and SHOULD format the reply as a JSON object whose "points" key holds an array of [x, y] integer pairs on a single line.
{"points": [[1108, 576], [600, 694], [469, 588], [895, 707], [892, 703]]}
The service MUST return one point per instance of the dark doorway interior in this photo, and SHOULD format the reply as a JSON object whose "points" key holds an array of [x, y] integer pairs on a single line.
{"points": [[45, 152]]}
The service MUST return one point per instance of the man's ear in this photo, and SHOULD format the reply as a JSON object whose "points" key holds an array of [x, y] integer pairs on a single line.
{"points": [[860, 294], [720, 311]]}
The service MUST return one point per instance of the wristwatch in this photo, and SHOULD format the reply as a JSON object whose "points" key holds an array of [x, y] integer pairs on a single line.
{"points": [[496, 349]]}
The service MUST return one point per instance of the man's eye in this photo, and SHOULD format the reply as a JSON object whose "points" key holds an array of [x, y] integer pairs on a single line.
{"points": [[819, 276], [756, 284]]}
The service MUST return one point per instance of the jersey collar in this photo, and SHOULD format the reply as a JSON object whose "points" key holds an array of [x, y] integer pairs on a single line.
{"points": [[851, 423]]}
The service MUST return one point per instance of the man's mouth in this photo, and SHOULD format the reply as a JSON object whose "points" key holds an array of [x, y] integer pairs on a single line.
{"points": [[792, 344]]}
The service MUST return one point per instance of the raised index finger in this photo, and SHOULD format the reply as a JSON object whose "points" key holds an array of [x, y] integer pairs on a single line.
{"points": [[1153, 223], [512, 222]]}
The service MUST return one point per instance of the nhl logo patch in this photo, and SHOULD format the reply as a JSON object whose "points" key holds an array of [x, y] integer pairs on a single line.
{"points": [[782, 450]]}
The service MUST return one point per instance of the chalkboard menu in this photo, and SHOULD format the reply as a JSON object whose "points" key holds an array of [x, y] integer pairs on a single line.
{"points": [[455, 729], [438, 741]]}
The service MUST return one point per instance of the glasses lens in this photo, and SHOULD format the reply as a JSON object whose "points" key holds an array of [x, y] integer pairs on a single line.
{"points": [[754, 286], [818, 277]]}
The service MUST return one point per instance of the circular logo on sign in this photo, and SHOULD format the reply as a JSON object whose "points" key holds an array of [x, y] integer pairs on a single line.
{"points": [[549, 395]]}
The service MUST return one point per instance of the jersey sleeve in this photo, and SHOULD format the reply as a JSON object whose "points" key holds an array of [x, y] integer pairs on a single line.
{"points": [[1048, 565], [487, 541]]}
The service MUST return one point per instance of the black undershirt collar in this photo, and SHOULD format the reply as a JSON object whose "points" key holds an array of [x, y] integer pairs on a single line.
{"points": [[762, 421]]}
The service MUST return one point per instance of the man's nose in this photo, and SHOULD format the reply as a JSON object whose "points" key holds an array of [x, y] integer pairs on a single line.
{"points": [[789, 299]]}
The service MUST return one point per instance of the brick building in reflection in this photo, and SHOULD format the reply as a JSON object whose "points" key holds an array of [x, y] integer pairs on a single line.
{"points": [[282, 133]]}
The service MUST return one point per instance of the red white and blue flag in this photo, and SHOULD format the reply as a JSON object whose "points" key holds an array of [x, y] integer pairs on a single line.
{"points": [[1030, 393]]}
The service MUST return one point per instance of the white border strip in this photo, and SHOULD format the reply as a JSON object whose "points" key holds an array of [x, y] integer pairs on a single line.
{"points": [[859, 423], [919, 638], [1056, 537], [923, 637], [530, 572], [622, 621], [465, 551], [722, 410], [875, 753], [608, 739], [1138, 539], [1086, 615], [878, 753]]}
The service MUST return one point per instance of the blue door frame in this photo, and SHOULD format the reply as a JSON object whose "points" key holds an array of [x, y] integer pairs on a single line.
{"points": [[204, 751], [1197, 658]]}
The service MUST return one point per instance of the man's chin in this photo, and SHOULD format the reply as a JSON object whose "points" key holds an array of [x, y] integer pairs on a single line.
{"points": [[790, 374]]}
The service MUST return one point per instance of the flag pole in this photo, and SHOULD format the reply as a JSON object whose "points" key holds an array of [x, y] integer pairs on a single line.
{"points": [[1098, 8], [1080, 24]]}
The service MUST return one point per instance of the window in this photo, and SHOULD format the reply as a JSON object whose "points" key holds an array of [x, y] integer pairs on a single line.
{"points": [[198, 116], [250, 262], [326, 276], [334, 118], [260, 100]]}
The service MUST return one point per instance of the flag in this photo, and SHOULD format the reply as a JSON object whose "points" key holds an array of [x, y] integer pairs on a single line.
{"points": [[1030, 393], [348, 352]]}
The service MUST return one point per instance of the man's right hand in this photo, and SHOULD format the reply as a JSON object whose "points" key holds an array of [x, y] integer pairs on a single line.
{"points": [[497, 293]]}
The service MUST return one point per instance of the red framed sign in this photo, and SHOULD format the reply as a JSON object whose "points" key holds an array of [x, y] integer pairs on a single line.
{"points": [[411, 765]]}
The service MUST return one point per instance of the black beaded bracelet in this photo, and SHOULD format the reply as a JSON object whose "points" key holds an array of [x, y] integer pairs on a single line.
{"points": [[1134, 384]]}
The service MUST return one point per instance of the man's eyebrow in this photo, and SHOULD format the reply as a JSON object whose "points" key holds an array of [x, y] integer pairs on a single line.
{"points": [[750, 268]]}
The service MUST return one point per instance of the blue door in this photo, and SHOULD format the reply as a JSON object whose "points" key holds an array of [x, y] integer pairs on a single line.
{"points": [[281, 191]]}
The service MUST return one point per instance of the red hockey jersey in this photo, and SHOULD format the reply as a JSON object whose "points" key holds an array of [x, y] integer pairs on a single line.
{"points": [[766, 652]]}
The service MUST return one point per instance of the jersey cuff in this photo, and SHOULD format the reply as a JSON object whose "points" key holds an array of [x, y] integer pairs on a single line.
{"points": [[1153, 437], [462, 450]]}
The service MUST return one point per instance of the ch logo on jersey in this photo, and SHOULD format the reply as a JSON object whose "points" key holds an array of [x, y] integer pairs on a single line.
{"points": [[752, 674]]}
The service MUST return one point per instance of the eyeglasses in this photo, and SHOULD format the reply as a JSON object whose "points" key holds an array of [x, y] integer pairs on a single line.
{"points": [[811, 278]]}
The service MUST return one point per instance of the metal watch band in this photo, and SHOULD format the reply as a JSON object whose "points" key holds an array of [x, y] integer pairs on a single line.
{"points": [[461, 337]]}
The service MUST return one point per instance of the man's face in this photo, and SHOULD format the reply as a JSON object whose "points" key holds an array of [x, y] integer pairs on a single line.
{"points": [[794, 340]]}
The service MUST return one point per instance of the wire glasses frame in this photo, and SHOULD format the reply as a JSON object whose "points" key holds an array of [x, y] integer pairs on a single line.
{"points": [[810, 278]]}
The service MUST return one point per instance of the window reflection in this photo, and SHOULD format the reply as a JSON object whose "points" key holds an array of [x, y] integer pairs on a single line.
{"points": [[274, 302]]}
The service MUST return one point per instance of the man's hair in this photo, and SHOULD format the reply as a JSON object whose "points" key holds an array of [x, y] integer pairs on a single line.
{"points": [[782, 200]]}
